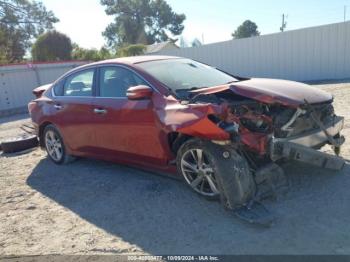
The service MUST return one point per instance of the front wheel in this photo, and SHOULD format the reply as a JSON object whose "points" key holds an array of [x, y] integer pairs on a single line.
{"points": [[198, 171], [215, 171]]}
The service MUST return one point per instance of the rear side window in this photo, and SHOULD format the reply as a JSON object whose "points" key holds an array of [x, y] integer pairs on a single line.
{"points": [[79, 84], [114, 81]]}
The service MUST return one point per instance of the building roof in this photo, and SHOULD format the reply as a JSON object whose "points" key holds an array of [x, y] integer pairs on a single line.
{"points": [[157, 47]]}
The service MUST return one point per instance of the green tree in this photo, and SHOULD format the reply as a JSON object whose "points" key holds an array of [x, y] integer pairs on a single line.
{"points": [[52, 46], [21, 21], [93, 54], [104, 53], [247, 29], [141, 21], [131, 50], [3, 59]]}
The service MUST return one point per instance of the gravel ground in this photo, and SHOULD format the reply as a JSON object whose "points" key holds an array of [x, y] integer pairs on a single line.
{"points": [[93, 207]]}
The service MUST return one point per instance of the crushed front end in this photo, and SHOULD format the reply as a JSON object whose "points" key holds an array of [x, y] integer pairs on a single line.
{"points": [[270, 132], [267, 131], [263, 126]]}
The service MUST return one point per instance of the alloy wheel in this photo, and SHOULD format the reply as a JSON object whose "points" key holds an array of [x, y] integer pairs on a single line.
{"points": [[53, 145], [199, 173]]}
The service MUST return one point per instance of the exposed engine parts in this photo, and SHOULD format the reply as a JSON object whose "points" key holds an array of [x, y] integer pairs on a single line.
{"points": [[253, 124], [287, 126]]}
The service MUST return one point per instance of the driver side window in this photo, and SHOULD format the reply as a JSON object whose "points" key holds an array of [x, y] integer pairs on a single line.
{"points": [[79, 84], [114, 81]]}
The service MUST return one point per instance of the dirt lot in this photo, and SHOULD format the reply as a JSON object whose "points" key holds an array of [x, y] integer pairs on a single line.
{"points": [[93, 207]]}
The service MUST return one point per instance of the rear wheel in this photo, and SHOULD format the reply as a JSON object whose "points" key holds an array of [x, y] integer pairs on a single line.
{"points": [[54, 146], [215, 171]]}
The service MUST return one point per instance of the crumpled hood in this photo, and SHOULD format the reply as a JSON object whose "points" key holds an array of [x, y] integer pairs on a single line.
{"points": [[270, 91]]}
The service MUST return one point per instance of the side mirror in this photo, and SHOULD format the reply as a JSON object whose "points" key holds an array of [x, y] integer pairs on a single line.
{"points": [[139, 92]]}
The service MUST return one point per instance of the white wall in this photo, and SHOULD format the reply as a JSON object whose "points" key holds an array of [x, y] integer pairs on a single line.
{"points": [[18, 81], [315, 53]]}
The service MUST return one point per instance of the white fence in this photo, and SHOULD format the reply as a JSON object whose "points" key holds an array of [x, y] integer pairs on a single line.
{"points": [[315, 53], [18, 81]]}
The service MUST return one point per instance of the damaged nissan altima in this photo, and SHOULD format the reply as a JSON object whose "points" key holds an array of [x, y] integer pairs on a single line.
{"points": [[224, 135]]}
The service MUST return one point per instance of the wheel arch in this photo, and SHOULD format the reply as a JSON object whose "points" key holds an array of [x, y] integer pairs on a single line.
{"points": [[176, 139], [42, 127]]}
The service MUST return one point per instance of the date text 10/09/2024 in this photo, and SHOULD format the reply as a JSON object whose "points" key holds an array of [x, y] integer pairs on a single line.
{"points": [[173, 258]]}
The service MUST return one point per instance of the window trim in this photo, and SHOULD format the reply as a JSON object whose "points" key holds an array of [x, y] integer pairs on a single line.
{"points": [[62, 81], [99, 67], [96, 78], [78, 73]]}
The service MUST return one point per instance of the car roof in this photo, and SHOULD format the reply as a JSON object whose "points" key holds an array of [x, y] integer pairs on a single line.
{"points": [[135, 59], [130, 60]]}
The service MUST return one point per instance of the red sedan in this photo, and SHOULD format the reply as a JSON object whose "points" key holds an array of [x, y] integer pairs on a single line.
{"points": [[224, 135]]}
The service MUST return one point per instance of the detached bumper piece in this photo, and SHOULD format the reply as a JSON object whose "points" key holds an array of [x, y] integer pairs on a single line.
{"points": [[271, 182], [307, 155], [255, 213]]}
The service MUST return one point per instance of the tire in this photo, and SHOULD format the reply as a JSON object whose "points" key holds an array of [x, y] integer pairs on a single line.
{"points": [[55, 147], [18, 144], [231, 172]]}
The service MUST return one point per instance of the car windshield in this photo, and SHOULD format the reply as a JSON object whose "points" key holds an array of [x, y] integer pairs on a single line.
{"points": [[184, 75]]}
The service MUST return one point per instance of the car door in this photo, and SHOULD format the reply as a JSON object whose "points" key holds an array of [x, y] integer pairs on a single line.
{"points": [[72, 106], [125, 129]]}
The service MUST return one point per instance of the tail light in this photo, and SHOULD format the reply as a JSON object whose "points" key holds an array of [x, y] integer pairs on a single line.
{"points": [[39, 91]]}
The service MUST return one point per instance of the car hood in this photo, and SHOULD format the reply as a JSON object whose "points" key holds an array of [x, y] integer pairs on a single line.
{"points": [[271, 91]]}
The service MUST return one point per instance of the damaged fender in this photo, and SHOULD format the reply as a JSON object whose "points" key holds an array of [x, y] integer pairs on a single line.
{"points": [[190, 119]]}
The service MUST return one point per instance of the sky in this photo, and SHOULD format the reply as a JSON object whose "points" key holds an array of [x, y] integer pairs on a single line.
{"points": [[209, 20]]}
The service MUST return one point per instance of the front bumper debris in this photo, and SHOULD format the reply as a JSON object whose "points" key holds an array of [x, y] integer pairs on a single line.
{"points": [[293, 151], [301, 148], [270, 179], [316, 137], [255, 213]]}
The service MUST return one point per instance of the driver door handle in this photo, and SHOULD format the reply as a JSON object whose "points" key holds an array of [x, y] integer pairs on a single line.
{"points": [[100, 111]]}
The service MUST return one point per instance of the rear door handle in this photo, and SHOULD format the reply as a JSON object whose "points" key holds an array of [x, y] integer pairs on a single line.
{"points": [[100, 111], [57, 106]]}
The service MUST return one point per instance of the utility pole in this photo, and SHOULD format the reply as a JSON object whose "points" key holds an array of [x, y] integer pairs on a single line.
{"points": [[345, 13], [284, 22]]}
